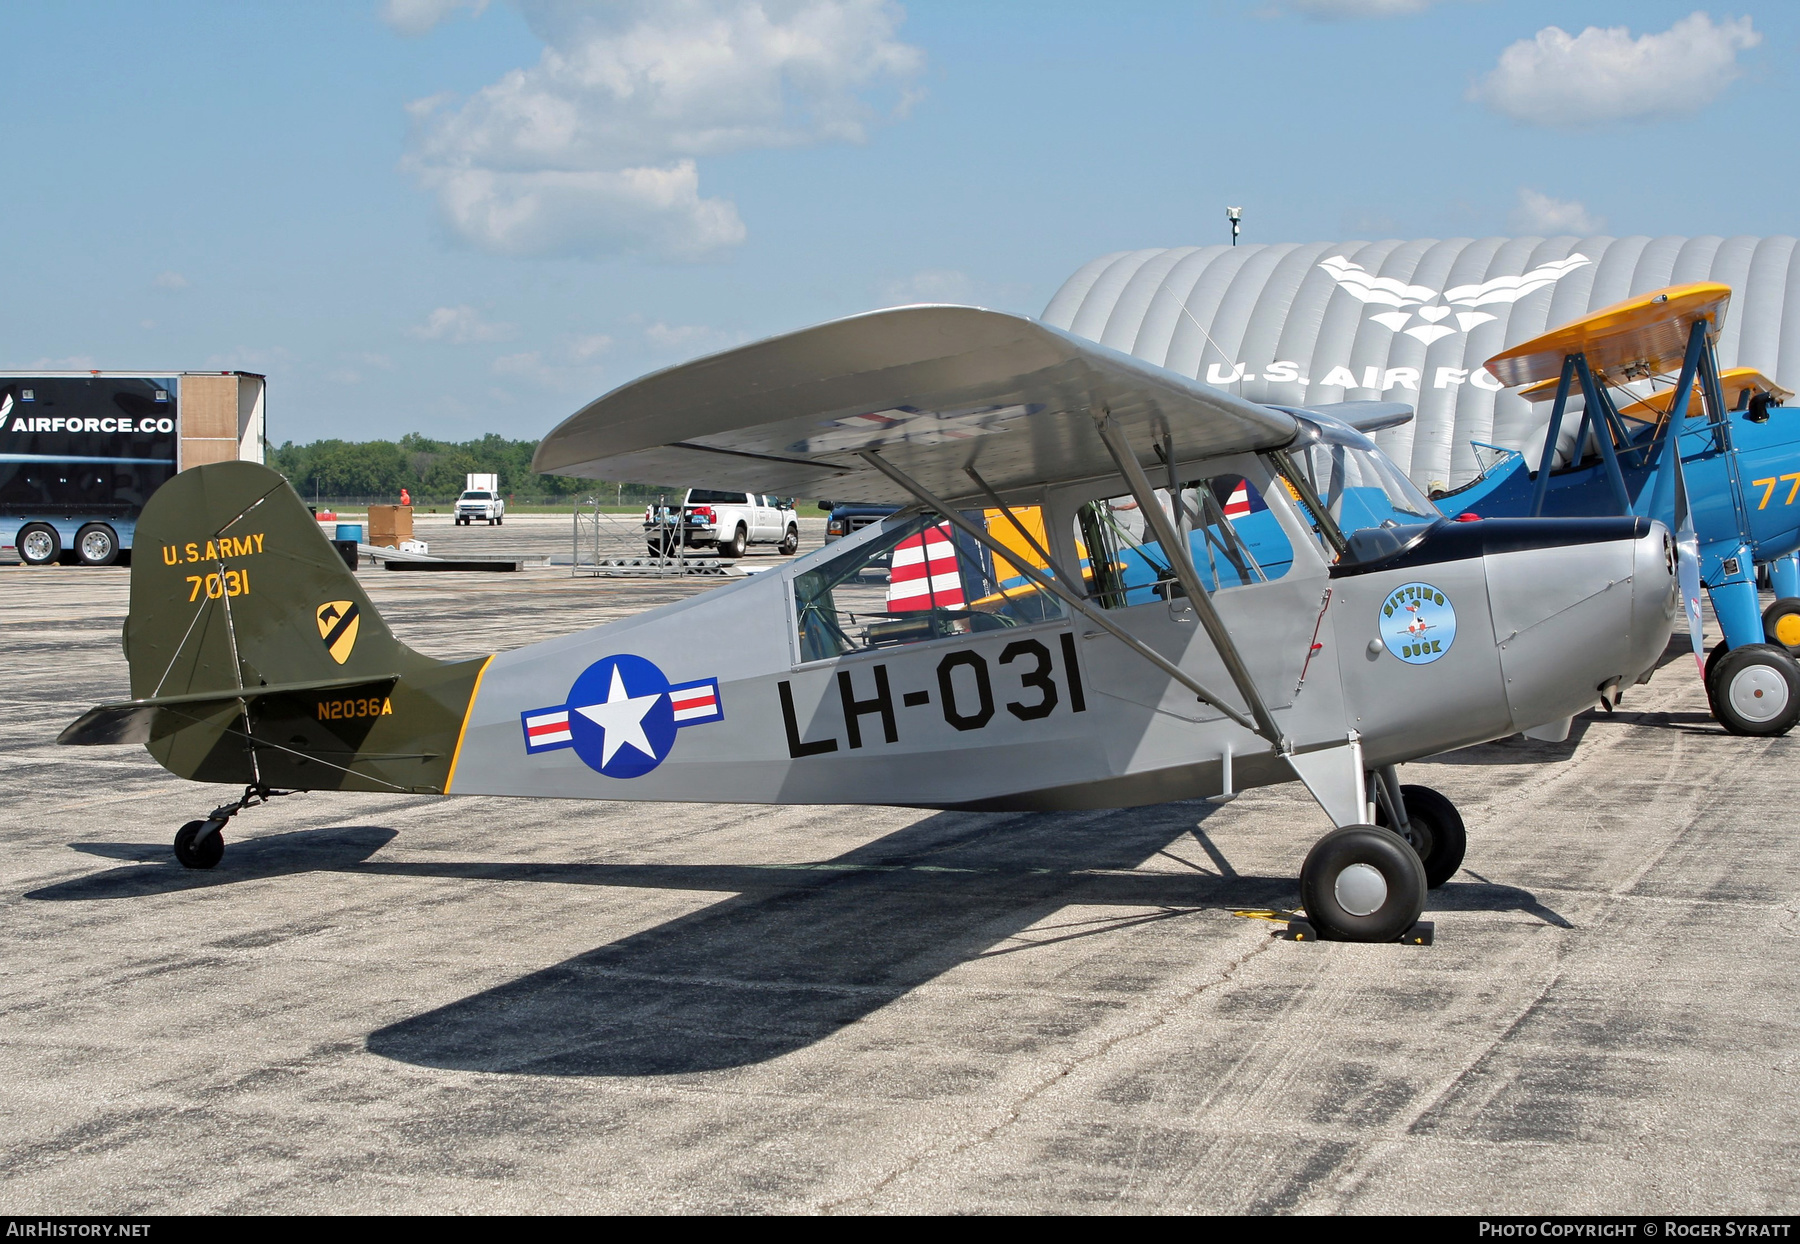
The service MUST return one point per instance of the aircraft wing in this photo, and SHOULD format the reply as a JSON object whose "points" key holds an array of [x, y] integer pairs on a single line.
{"points": [[931, 388], [1643, 335]]}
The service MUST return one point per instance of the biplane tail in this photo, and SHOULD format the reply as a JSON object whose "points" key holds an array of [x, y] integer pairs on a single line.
{"points": [[257, 658]]}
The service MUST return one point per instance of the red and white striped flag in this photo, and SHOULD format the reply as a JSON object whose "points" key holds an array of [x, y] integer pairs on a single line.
{"points": [[924, 573], [1238, 504]]}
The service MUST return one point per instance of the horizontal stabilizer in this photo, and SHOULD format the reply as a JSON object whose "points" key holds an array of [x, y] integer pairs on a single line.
{"points": [[132, 720]]}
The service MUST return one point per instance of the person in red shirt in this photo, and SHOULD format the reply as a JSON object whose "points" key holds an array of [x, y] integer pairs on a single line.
{"points": [[405, 497]]}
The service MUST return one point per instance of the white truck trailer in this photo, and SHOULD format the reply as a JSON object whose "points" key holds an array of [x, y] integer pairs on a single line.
{"points": [[81, 451]]}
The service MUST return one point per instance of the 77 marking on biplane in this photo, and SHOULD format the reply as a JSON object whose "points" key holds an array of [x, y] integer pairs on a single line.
{"points": [[1770, 490]]}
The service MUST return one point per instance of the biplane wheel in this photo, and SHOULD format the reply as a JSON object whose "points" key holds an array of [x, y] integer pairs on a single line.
{"points": [[1437, 832], [1781, 624], [1362, 883], [194, 854], [1712, 658], [1755, 690]]}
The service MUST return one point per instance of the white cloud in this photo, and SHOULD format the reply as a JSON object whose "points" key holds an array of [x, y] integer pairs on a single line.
{"points": [[594, 148], [171, 280], [1540, 214], [459, 325], [415, 17], [1600, 75], [931, 285], [569, 367], [546, 212], [264, 360], [1331, 10], [696, 338], [582, 349]]}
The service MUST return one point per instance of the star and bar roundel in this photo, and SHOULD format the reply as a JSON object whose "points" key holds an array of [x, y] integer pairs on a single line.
{"points": [[621, 716]]}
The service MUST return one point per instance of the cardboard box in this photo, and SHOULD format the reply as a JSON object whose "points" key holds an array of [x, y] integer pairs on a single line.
{"points": [[389, 525]]}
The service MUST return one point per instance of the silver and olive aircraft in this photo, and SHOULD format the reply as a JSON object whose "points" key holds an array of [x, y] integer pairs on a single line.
{"points": [[997, 643]]}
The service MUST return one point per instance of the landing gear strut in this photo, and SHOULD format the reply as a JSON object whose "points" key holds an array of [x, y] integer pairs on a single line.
{"points": [[1427, 820], [201, 844]]}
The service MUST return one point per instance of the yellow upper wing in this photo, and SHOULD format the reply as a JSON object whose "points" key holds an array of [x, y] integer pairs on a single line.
{"points": [[1645, 335]]}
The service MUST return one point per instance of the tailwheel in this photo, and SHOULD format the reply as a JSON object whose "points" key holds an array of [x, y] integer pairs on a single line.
{"points": [[1755, 690], [200, 844], [1434, 830], [1362, 883], [1781, 624]]}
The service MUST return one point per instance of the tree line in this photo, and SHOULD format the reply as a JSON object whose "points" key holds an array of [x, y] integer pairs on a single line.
{"points": [[432, 471]]}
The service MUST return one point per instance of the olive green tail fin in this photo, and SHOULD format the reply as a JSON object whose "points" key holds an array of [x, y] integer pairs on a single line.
{"points": [[257, 658]]}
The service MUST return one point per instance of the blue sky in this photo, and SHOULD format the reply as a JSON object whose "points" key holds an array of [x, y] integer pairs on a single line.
{"points": [[411, 220]]}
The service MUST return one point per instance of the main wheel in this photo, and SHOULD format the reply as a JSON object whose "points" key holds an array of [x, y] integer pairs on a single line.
{"points": [[97, 545], [790, 543], [734, 547], [1755, 690], [1712, 658], [1362, 883], [1781, 624], [199, 855], [38, 544], [1437, 832]]}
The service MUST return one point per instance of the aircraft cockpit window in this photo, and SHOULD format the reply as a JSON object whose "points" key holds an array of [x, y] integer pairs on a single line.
{"points": [[918, 578], [1234, 540], [1360, 486]]}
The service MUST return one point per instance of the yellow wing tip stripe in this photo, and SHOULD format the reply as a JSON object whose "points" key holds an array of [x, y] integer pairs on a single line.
{"points": [[456, 756]]}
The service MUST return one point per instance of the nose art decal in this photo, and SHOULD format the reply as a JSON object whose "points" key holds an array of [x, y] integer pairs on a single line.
{"points": [[1418, 623]]}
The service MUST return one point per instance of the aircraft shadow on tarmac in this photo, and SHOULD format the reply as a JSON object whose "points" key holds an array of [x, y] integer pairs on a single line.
{"points": [[795, 952], [798, 953], [246, 859]]}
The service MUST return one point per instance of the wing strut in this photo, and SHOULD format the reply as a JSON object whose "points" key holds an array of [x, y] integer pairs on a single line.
{"points": [[1181, 560], [1058, 588]]}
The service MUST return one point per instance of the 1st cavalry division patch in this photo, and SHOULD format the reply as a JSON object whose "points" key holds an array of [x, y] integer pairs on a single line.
{"points": [[338, 622]]}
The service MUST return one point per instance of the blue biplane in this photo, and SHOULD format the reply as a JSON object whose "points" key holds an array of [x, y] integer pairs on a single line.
{"points": [[1729, 494]]}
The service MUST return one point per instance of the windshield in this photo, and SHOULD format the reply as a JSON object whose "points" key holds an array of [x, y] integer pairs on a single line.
{"points": [[1360, 485], [476, 496]]}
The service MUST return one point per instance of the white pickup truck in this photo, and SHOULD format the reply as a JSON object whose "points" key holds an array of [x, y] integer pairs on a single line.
{"points": [[480, 503], [727, 521]]}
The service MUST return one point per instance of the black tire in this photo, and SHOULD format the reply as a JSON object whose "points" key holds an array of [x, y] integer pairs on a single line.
{"points": [[1755, 690], [1437, 834], [735, 546], [501, 521], [204, 855], [1712, 658], [38, 544], [97, 545], [790, 543], [661, 544], [1362, 883], [1781, 624]]}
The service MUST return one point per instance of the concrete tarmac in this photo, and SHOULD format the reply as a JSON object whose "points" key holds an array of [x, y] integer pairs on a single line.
{"points": [[410, 1004]]}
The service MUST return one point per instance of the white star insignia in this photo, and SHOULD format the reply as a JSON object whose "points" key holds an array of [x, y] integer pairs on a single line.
{"points": [[621, 719]]}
